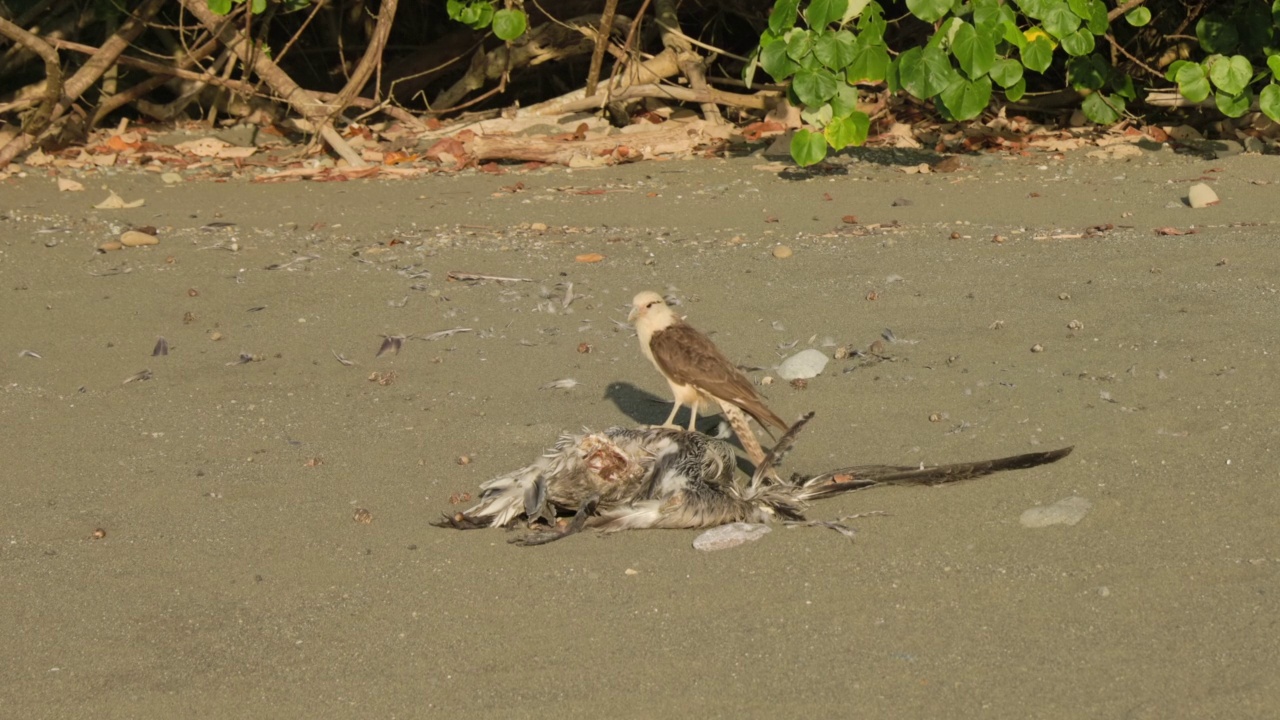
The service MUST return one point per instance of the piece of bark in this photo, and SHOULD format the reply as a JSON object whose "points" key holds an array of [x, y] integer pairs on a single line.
{"points": [[667, 139]]}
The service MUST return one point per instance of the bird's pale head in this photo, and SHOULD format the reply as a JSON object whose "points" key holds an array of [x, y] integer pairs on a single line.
{"points": [[648, 304]]}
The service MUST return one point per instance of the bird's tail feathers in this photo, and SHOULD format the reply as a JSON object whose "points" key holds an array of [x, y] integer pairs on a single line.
{"points": [[771, 459], [858, 477], [763, 415]]}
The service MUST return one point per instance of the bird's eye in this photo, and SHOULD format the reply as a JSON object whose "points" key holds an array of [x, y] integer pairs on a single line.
{"points": [[652, 303]]}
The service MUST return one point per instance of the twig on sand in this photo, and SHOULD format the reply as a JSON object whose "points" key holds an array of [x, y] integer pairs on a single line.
{"points": [[460, 276]]}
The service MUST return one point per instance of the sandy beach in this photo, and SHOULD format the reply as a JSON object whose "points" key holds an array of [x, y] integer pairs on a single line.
{"points": [[185, 544]]}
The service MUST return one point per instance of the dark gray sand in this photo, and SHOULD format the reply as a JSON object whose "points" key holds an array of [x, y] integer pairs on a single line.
{"points": [[233, 581]]}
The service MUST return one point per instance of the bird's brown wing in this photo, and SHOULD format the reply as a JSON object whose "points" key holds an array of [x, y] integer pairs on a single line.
{"points": [[690, 358]]}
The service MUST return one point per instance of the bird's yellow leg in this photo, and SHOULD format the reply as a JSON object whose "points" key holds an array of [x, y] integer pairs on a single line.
{"points": [[693, 417], [671, 419]]}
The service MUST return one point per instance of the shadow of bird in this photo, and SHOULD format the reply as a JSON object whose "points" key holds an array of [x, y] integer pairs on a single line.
{"points": [[656, 477], [645, 408]]}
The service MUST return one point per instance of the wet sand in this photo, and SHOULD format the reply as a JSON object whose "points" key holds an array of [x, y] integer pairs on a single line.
{"points": [[232, 580]]}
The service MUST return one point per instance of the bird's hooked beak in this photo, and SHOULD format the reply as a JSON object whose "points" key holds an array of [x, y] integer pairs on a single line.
{"points": [[641, 310]]}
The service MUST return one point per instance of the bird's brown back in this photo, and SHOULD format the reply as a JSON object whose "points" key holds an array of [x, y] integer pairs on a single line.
{"points": [[690, 358]]}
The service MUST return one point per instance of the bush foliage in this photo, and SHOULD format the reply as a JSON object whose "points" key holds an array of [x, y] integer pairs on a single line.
{"points": [[982, 47], [1105, 58]]}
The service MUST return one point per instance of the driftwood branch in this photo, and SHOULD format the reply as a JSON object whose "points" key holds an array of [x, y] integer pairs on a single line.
{"points": [[602, 41], [665, 139], [710, 95], [75, 86], [690, 62], [372, 58], [109, 53], [1174, 99], [652, 71], [238, 86], [161, 74], [544, 43], [303, 102], [1123, 9], [35, 123]]}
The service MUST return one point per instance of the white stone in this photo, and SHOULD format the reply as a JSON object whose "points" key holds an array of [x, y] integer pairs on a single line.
{"points": [[1201, 196], [803, 365]]}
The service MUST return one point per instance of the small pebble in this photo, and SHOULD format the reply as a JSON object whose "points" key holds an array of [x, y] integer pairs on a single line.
{"points": [[538, 227], [782, 252], [110, 245], [1037, 348], [1075, 325]]}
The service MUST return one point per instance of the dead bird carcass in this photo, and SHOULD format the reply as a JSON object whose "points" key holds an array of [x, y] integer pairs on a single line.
{"points": [[655, 477]]}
